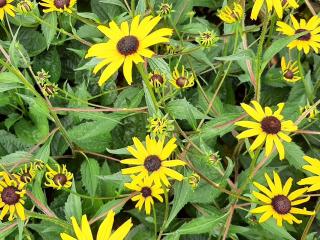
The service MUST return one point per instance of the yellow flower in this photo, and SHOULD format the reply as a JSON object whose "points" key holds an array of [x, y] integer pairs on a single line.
{"points": [[312, 115], [6, 7], [165, 9], [276, 4], [127, 45], [183, 79], [207, 39], [157, 79], [58, 5], [159, 126], [278, 203], [38, 164], [60, 178], [11, 194], [270, 128], [314, 168], [26, 174], [25, 6], [310, 39], [290, 71], [194, 180], [231, 15], [104, 232], [146, 192], [152, 160]]}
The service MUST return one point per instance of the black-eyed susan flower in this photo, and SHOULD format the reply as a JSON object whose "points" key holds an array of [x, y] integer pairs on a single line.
{"points": [[152, 161], [157, 79], [311, 38], [312, 113], [38, 164], [278, 202], [6, 7], [207, 39], [269, 128], [146, 191], [11, 198], [290, 71], [25, 174], [194, 180], [25, 6], [58, 5], [231, 14], [59, 178], [314, 168], [277, 5], [183, 79], [127, 45], [165, 9], [49, 89], [159, 126], [83, 232]]}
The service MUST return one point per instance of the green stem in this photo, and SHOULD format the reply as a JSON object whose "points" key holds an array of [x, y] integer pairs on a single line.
{"points": [[133, 7], [259, 56], [311, 219], [145, 79], [166, 212], [154, 221]]}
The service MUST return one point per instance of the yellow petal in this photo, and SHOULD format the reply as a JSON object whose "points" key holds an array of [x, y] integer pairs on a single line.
{"points": [[106, 227], [127, 70]]}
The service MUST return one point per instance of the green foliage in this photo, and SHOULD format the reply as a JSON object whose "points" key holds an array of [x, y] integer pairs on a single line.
{"points": [[88, 127]]}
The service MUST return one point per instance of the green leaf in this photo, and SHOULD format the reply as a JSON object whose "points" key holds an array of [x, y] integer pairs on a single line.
{"points": [[308, 86], [218, 126], [15, 157], [182, 192], [271, 227], [50, 62], [95, 136], [294, 155], [73, 207], [183, 110], [89, 171], [114, 2], [33, 41], [201, 225], [9, 143], [242, 55], [49, 32], [47, 230], [276, 47]]}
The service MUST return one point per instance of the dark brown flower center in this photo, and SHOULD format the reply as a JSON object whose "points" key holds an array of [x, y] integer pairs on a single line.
{"points": [[157, 78], [60, 179], [152, 163], [181, 81], [284, 2], [9, 195], [146, 192], [49, 89], [281, 204], [61, 3], [271, 125], [128, 45], [305, 37], [26, 177], [3, 3], [289, 74]]}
